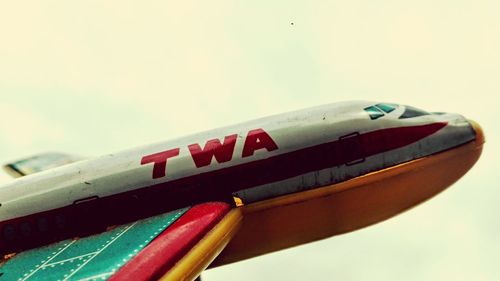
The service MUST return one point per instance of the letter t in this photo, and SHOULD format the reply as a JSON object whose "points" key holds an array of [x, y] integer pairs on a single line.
{"points": [[160, 161]]}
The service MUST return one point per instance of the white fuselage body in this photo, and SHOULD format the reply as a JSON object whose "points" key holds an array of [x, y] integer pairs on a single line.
{"points": [[122, 172]]}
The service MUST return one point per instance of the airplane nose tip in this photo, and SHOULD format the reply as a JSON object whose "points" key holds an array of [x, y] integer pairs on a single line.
{"points": [[480, 139]]}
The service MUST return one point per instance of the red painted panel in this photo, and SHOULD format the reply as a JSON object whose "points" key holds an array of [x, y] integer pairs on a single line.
{"points": [[392, 138], [173, 243]]}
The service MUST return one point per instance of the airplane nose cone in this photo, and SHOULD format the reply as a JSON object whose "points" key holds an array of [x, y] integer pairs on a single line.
{"points": [[480, 139]]}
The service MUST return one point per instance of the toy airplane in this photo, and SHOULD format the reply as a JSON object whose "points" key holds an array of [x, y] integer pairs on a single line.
{"points": [[169, 210]]}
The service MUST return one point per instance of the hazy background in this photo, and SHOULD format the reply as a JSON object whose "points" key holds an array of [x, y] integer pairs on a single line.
{"points": [[100, 76]]}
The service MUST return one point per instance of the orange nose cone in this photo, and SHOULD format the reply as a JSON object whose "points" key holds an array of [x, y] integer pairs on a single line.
{"points": [[479, 132]]}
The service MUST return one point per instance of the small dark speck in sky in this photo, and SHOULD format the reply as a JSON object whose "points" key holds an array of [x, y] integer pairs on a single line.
{"points": [[291, 23]]}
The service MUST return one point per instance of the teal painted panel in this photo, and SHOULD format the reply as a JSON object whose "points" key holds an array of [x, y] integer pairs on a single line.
{"points": [[95, 257]]}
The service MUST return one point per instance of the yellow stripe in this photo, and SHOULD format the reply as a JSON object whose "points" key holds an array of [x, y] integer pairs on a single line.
{"points": [[203, 253]]}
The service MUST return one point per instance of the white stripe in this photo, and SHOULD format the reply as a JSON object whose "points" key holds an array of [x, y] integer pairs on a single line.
{"points": [[98, 252], [66, 260], [47, 261]]}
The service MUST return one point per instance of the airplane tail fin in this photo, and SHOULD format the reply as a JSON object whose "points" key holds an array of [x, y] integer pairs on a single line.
{"points": [[38, 163]]}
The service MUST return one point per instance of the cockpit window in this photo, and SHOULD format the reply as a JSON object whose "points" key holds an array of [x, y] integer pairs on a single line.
{"points": [[411, 112], [386, 107], [374, 112]]}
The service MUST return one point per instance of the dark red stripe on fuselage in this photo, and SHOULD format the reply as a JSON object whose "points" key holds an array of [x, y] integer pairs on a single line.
{"points": [[218, 185]]}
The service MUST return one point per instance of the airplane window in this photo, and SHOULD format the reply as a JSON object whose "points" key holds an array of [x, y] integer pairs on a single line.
{"points": [[60, 221], [413, 112], [9, 232], [25, 229], [42, 224], [374, 112], [386, 107]]}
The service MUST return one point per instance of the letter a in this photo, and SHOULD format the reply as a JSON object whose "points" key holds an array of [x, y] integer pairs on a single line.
{"points": [[257, 139]]}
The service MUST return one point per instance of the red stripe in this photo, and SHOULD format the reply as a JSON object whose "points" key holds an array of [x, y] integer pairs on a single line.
{"points": [[392, 138], [344, 150], [172, 244]]}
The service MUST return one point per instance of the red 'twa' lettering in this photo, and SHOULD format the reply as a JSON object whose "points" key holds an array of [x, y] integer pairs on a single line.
{"points": [[222, 152], [160, 161], [257, 139]]}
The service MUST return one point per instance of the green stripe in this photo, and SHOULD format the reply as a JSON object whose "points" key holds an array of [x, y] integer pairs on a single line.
{"points": [[95, 257]]}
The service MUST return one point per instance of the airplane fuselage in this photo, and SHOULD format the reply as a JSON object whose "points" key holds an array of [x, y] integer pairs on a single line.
{"points": [[255, 161]]}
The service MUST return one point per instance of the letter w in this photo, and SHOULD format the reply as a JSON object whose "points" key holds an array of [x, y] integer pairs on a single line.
{"points": [[222, 152]]}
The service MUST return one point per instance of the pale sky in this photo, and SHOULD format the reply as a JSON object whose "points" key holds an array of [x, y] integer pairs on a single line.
{"points": [[99, 76]]}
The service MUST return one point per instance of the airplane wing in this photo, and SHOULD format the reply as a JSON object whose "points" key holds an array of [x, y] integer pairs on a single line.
{"points": [[38, 163], [177, 245]]}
